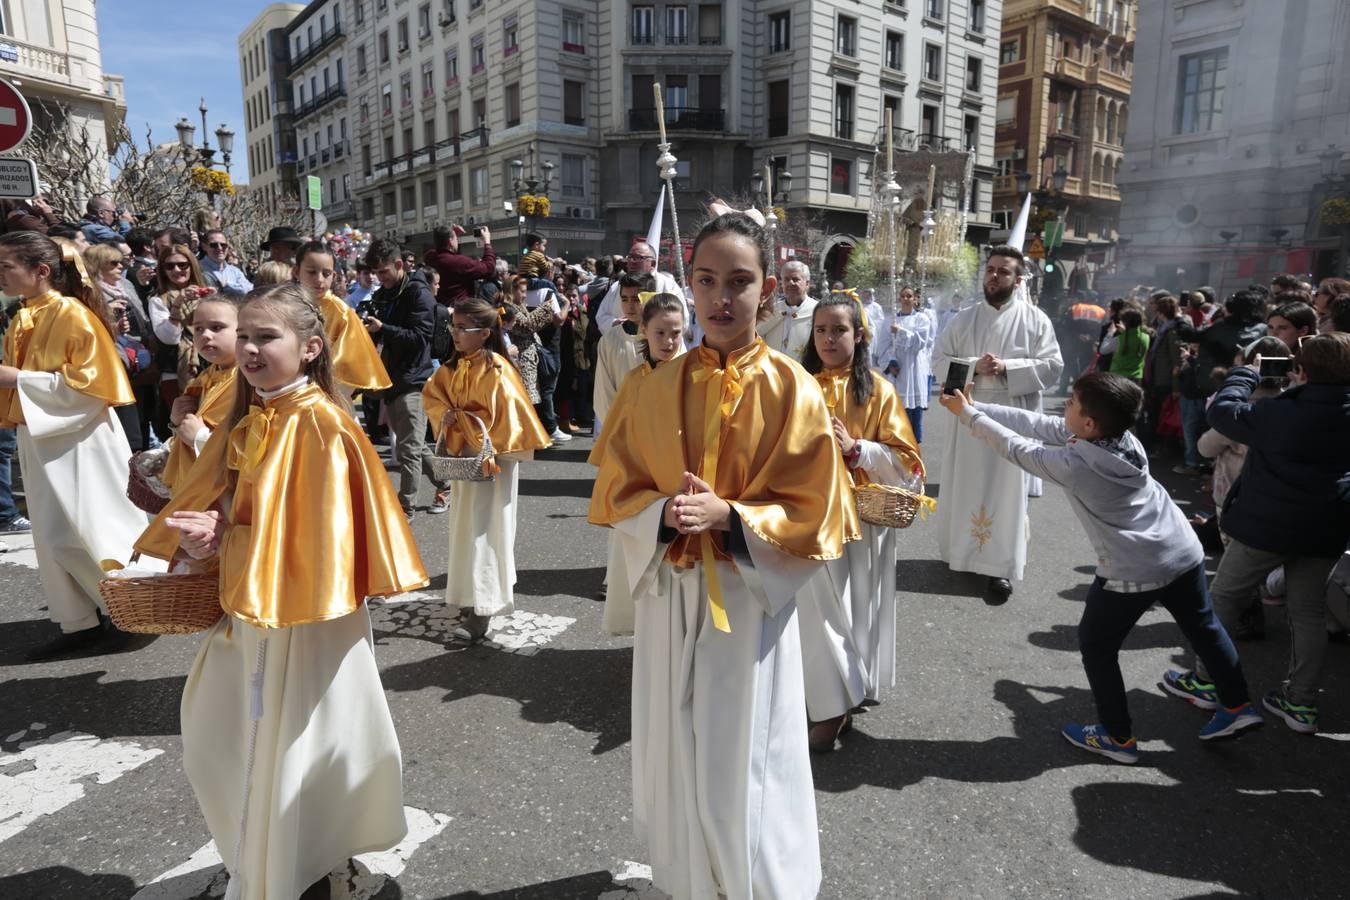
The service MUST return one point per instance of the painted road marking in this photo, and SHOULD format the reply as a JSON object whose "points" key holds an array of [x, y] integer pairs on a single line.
{"points": [[20, 550], [49, 774], [203, 876]]}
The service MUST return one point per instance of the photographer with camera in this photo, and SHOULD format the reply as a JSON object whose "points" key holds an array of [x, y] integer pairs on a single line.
{"points": [[105, 222], [458, 272]]}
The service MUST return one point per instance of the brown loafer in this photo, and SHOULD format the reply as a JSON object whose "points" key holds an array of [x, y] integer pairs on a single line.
{"points": [[472, 626], [823, 736]]}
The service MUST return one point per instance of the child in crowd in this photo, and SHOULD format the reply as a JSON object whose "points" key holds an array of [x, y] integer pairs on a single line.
{"points": [[479, 381], [61, 378], [906, 353], [535, 264], [287, 738], [662, 339], [1146, 550], [720, 475], [847, 609], [356, 362], [1131, 345], [618, 352], [209, 397], [1289, 507]]}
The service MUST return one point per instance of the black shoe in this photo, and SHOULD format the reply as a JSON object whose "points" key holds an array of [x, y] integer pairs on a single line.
{"points": [[472, 627], [997, 591], [102, 638]]}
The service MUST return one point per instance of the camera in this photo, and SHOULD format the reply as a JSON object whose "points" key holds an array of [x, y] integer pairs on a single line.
{"points": [[478, 232], [1275, 366], [365, 309]]}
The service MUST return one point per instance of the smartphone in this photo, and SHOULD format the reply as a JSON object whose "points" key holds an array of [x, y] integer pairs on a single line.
{"points": [[630, 327], [958, 375], [1276, 366]]}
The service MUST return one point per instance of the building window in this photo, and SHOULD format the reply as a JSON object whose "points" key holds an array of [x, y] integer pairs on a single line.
{"points": [[780, 32], [429, 133], [480, 112], [644, 29], [452, 122], [382, 47], [477, 55], [452, 68], [846, 36], [933, 9], [574, 31], [891, 103], [843, 111], [478, 186], [1008, 53], [573, 176], [1007, 111], [574, 103], [970, 133], [1200, 83], [928, 121], [454, 189], [677, 97], [409, 201], [677, 24], [510, 36], [973, 69], [449, 18], [841, 176], [895, 51], [361, 60], [779, 108], [408, 146], [359, 11], [977, 15], [932, 62], [403, 41], [424, 21], [710, 24], [429, 192], [512, 100], [428, 80], [405, 90], [387, 100]]}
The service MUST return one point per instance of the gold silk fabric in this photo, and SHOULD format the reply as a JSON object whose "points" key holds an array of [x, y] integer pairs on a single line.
{"points": [[488, 386], [776, 461], [54, 333], [356, 362], [312, 527], [882, 419], [214, 388]]}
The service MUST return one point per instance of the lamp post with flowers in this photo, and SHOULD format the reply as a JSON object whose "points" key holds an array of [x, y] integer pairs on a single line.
{"points": [[203, 173], [531, 193]]}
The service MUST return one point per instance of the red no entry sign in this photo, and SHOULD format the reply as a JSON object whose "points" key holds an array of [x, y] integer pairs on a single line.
{"points": [[16, 120]]}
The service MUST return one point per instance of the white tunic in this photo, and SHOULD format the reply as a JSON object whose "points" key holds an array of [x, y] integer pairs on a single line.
{"points": [[617, 354], [73, 455], [290, 749], [481, 569], [912, 347], [982, 510], [788, 328], [722, 785], [610, 308], [876, 320]]}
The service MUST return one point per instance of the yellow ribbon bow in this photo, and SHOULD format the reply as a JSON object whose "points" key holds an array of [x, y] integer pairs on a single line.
{"points": [[852, 294], [724, 390], [833, 387], [459, 379], [248, 440]]}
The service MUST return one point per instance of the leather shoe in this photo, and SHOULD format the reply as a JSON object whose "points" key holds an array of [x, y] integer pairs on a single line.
{"points": [[822, 736], [472, 626], [102, 638], [997, 591]]}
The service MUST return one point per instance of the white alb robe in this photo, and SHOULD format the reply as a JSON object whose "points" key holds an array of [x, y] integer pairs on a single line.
{"points": [[480, 572], [616, 355], [722, 785], [848, 610], [291, 751], [982, 508], [788, 328], [912, 347], [74, 457]]}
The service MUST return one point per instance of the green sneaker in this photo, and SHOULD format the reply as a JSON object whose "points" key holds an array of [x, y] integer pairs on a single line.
{"points": [[1302, 719], [1189, 687]]}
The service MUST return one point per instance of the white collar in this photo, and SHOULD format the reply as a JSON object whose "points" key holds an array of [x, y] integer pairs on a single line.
{"points": [[284, 389]]}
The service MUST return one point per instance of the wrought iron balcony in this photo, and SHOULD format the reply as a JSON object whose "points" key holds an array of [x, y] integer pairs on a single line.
{"points": [[319, 101], [678, 118], [326, 40]]}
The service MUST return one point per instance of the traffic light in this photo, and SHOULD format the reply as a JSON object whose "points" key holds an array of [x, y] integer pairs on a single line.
{"points": [[1049, 266]]}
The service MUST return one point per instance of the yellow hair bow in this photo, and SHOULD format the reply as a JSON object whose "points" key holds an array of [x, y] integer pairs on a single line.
{"points": [[644, 296], [852, 294]]}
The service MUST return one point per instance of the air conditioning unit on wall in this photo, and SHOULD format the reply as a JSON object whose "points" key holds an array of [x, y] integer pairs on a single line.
{"points": [[581, 212]]}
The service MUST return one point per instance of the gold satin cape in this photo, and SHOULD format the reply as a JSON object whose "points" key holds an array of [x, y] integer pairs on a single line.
{"points": [[313, 527], [882, 419], [758, 425], [488, 386], [55, 333], [356, 362], [214, 388]]}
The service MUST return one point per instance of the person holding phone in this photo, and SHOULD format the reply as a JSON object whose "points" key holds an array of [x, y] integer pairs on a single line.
{"points": [[1013, 355]]}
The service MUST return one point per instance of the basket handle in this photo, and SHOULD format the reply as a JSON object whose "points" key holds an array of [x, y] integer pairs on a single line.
{"points": [[486, 445]]}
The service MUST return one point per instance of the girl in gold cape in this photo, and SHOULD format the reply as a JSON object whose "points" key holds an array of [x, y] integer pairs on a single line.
{"points": [[62, 375], [287, 738], [847, 609], [721, 479], [209, 397], [479, 381], [356, 361]]}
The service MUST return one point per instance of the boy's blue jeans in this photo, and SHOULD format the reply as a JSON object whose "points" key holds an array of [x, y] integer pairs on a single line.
{"points": [[9, 445], [1108, 617], [1193, 425]]}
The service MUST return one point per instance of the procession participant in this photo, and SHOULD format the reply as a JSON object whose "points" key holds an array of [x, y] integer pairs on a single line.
{"points": [[356, 363], [61, 378], [788, 327], [906, 355], [641, 261], [875, 315], [847, 609], [209, 397], [479, 381], [617, 353], [1011, 348], [728, 493], [287, 738]]}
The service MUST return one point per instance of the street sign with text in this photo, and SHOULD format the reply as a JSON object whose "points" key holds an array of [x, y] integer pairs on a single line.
{"points": [[18, 179], [16, 119]]}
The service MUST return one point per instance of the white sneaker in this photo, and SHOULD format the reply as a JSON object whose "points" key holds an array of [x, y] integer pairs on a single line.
{"points": [[559, 436]]}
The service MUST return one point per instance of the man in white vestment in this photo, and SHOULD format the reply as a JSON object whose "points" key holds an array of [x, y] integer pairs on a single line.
{"points": [[641, 261], [788, 328], [1014, 356]]}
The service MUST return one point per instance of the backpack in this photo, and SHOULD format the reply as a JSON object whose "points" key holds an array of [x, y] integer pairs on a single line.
{"points": [[442, 342]]}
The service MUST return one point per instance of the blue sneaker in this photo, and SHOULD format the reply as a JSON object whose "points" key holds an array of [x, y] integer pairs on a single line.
{"points": [[1230, 723], [1302, 719], [1094, 739], [1189, 687]]}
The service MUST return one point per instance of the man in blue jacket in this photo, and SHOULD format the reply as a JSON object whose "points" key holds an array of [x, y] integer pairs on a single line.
{"points": [[1289, 507]]}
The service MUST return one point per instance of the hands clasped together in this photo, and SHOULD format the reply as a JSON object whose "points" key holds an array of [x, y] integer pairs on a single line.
{"points": [[697, 508]]}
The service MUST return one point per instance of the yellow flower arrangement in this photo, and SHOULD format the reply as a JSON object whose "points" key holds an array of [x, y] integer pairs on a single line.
{"points": [[532, 205], [212, 180], [1335, 211], [541, 206]]}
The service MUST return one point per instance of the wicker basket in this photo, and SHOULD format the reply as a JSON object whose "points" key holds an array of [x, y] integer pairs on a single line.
{"points": [[461, 468], [890, 507], [163, 604], [144, 488]]}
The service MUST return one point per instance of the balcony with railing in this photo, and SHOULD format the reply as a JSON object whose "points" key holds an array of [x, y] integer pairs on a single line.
{"points": [[443, 151], [1071, 70], [320, 100], [20, 58], [1102, 77], [1066, 128], [933, 143], [325, 40], [679, 118]]}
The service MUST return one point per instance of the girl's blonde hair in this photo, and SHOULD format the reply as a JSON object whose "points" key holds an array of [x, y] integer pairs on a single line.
{"points": [[72, 279], [272, 272]]}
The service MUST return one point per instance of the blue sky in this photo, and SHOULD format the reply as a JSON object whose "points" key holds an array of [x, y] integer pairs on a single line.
{"points": [[171, 57]]}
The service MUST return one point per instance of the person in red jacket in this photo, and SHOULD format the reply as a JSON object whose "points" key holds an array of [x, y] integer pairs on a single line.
{"points": [[459, 272]]}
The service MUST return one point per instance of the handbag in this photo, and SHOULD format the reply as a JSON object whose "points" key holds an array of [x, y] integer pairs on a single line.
{"points": [[445, 467], [1169, 418]]}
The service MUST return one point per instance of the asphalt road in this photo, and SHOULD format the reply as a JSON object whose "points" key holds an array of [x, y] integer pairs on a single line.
{"points": [[517, 759]]}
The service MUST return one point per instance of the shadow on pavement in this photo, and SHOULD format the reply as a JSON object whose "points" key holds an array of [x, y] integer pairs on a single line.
{"points": [[61, 881], [105, 709], [1154, 636], [933, 576], [575, 887], [18, 638], [578, 455], [562, 487], [583, 582]]}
